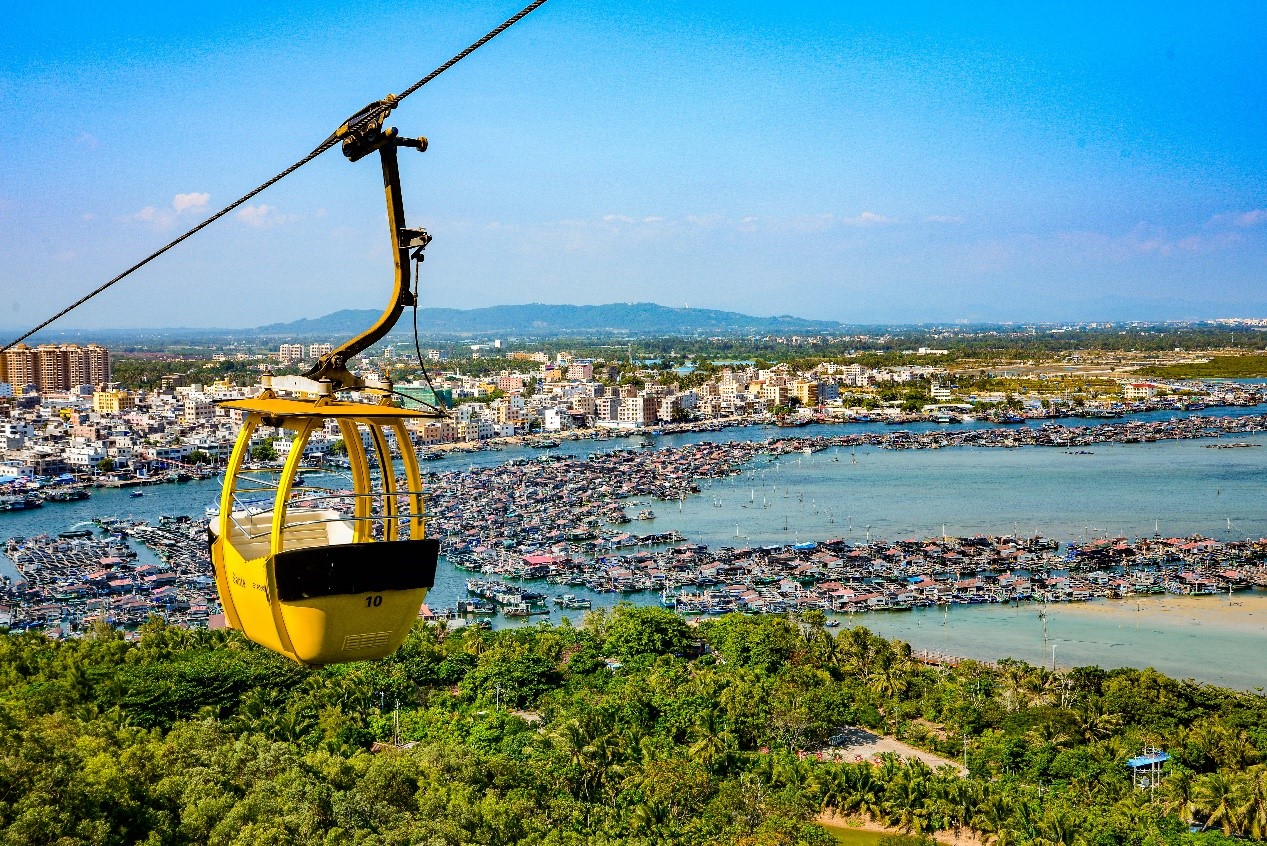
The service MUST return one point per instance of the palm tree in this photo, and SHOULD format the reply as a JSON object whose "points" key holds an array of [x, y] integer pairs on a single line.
{"points": [[289, 726], [1095, 724], [955, 799], [907, 799], [1176, 792], [993, 820], [1237, 752], [779, 770], [1012, 681], [712, 741], [571, 738], [1216, 799], [1252, 810], [890, 681], [869, 793], [649, 818], [1049, 734], [1059, 826], [1039, 686]]}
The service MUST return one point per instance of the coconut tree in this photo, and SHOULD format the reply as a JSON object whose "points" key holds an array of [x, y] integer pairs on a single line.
{"points": [[1217, 801], [712, 741], [1252, 810], [1177, 792], [1095, 724]]}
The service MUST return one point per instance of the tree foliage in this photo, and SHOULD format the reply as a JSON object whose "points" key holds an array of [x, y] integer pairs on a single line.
{"points": [[712, 735]]}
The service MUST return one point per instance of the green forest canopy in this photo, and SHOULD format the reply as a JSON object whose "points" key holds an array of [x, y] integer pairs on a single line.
{"points": [[634, 728]]}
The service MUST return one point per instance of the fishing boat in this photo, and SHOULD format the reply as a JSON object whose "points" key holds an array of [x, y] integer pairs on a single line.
{"points": [[67, 495], [20, 502]]}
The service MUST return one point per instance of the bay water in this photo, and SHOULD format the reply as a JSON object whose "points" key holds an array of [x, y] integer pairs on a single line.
{"points": [[1175, 488]]}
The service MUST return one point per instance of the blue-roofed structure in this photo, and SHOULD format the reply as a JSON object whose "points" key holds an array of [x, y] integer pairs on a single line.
{"points": [[1150, 759], [1146, 769]]}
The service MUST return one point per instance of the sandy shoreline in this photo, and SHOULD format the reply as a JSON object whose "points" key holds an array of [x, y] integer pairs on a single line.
{"points": [[1246, 611]]}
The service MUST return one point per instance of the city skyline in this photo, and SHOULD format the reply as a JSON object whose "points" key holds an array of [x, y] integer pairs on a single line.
{"points": [[851, 165]]}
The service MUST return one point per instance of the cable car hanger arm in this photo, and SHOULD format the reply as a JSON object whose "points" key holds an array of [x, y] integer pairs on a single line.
{"points": [[361, 135]]}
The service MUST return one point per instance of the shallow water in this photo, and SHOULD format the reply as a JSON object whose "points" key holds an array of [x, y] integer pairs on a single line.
{"points": [[1175, 488], [1206, 638]]}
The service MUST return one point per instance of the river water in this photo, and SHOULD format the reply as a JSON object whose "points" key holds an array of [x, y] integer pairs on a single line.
{"points": [[1176, 488]]}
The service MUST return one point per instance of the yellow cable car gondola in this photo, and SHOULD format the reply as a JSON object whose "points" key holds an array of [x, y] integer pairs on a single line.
{"points": [[331, 576]]}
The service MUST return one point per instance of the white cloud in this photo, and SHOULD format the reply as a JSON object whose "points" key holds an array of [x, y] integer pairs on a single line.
{"points": [[943, 218], [263, 216], [814, 222], [1251, 218], [159, 218], [1238, 220], [185, 202], [869, 219], [165, 218]]}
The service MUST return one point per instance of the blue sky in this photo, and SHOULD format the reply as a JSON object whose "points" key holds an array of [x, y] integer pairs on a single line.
{"points": [[868, 164]]}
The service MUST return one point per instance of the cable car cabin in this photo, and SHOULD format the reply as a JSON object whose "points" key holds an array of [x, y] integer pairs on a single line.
{"points": [[323, 574]]}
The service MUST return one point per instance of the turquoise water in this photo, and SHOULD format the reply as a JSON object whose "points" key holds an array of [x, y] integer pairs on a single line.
{"points": [[1177, 488], [1204, 638]]}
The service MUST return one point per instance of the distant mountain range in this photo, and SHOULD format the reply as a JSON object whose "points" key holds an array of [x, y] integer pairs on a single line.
{"points": [[539, 319]]}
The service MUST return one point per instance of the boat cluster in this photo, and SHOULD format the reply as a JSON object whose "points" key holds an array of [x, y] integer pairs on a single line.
{"points": [[561, 519], [839, 577], [80, 576], [1047, 435], [559, 502], [25, 494]]}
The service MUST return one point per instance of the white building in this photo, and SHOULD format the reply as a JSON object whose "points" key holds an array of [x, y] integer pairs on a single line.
{"points": [[641, 410], [291, 353], [555, 419], [1139, 390], [84, 456], [607, 408], [198, 409]]}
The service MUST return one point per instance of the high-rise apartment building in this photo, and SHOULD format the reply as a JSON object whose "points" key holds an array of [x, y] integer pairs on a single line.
{"points": [[54, 367], [18, 366], [88, 365]]}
